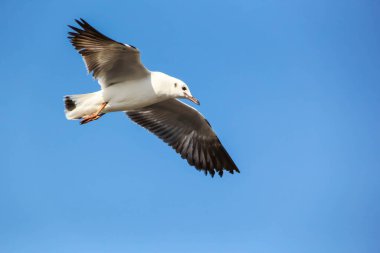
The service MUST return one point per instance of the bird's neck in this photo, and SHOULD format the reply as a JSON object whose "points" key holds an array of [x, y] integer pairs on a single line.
{"points": [[162, 85]]}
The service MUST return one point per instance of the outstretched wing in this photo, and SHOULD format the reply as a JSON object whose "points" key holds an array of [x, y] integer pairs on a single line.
{"points": [[188, 132], [109, 61]]}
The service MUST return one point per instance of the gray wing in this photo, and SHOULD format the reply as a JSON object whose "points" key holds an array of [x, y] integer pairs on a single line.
{"points": [[188, 132], [108, 60]]}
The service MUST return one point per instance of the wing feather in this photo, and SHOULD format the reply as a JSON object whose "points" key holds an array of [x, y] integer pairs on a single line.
{"points": [[188, 132], [109, 61]]}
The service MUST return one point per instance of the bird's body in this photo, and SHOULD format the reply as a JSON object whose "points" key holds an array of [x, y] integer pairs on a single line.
{"points": [[124, 96], [148, 98]]}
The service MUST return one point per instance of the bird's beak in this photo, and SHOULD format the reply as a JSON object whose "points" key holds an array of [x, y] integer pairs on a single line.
{"points": [[192, 99]]}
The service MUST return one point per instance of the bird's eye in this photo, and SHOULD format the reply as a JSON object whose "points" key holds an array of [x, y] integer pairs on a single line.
{"points": [[184, 88], [175, 84]]}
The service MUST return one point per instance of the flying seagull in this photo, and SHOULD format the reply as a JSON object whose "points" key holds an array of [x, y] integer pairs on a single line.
{"points": [[149, 98]]}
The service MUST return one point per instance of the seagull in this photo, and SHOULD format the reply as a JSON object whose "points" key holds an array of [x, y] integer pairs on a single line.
{"points": [[148, 98]]}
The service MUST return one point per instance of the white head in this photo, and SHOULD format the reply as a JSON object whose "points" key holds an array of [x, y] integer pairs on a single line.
{"points": [[180, 90]]}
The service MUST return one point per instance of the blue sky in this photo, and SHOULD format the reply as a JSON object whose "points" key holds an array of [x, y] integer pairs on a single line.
{"points": [[291, 87]]}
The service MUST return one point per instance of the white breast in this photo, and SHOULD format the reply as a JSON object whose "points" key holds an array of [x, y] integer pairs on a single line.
{"points": [[131, 95]]}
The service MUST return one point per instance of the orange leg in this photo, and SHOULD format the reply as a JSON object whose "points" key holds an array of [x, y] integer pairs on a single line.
{"points": [[95, 115]]}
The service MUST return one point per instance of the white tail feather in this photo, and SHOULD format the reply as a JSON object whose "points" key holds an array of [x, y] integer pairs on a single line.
{"points": [[78, 106]]}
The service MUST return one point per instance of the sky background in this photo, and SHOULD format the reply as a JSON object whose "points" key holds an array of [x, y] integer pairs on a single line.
{"points": [[291, 87]]}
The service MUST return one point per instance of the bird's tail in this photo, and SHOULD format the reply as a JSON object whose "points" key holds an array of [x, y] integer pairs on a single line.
{"points": [[78, 106]]}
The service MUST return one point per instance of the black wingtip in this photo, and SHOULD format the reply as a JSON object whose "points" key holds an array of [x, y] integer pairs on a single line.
{"points": [[76, 29], [84, 21], [84, 24], [78, 22]]}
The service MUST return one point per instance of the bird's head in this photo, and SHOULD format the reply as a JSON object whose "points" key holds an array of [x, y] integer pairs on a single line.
{"points": [[180, 90]]}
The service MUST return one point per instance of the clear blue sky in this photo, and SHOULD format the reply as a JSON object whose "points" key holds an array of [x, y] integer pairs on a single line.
{"points": [[291, 87]]}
